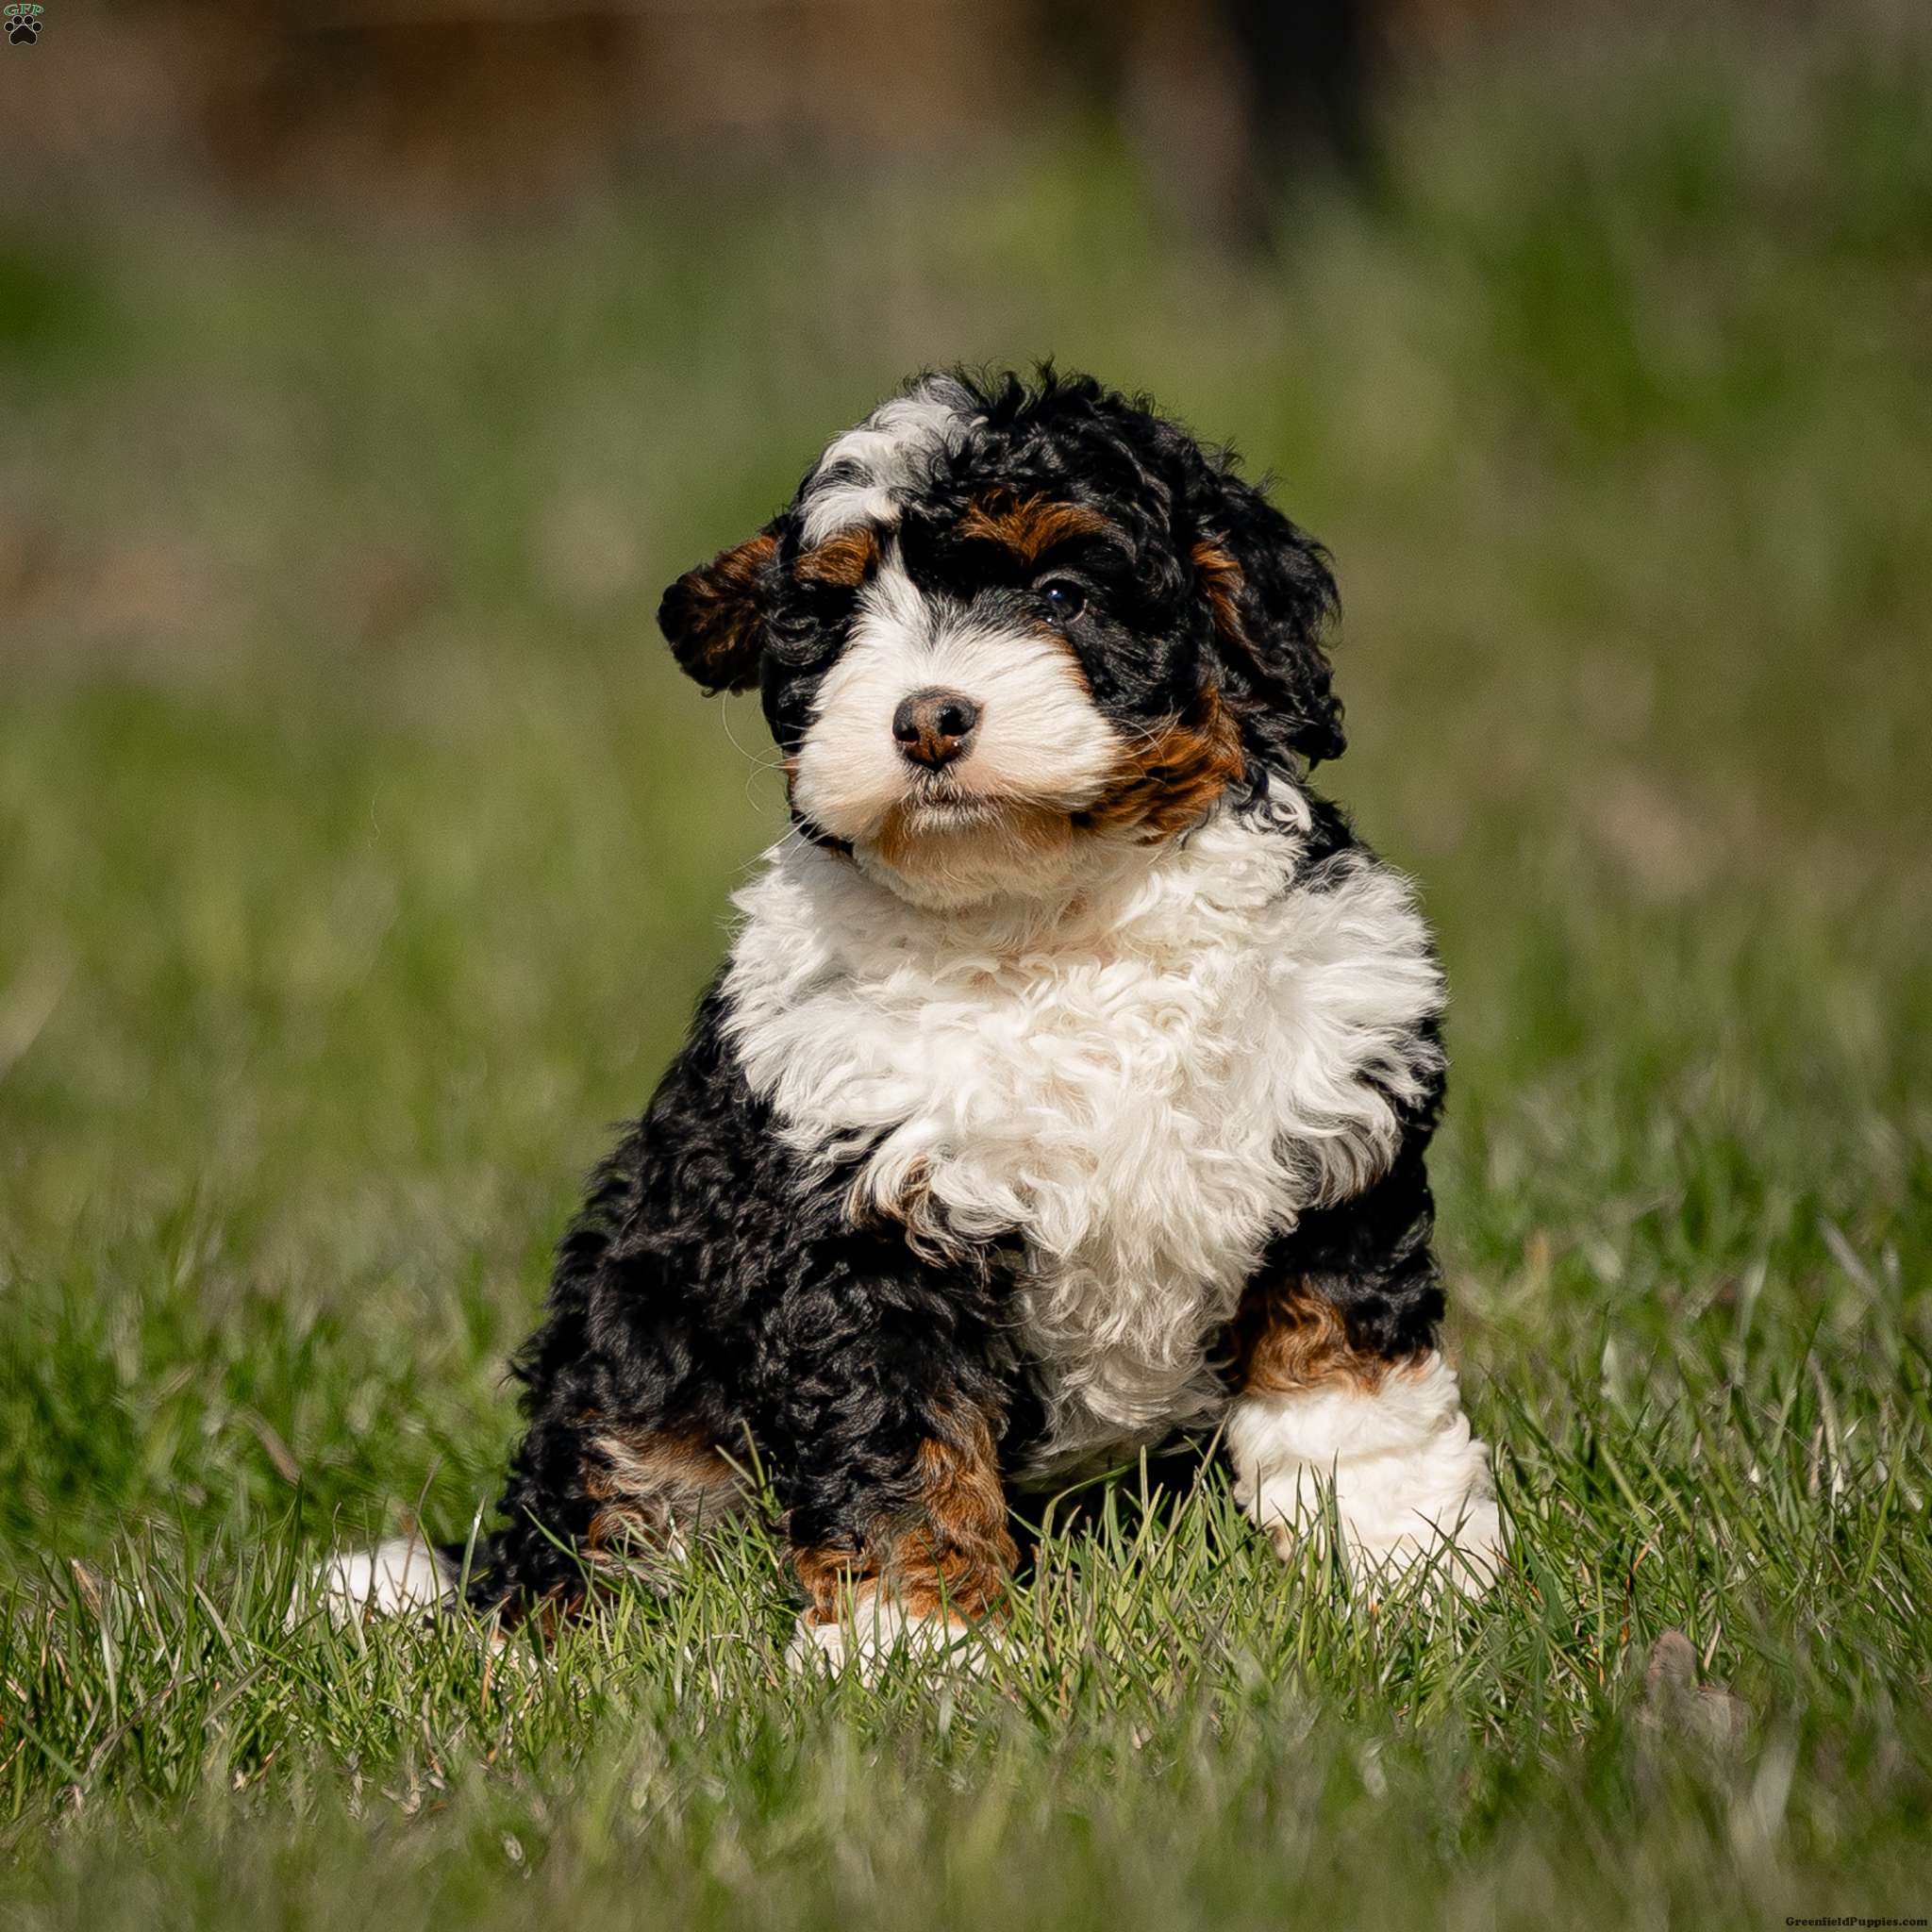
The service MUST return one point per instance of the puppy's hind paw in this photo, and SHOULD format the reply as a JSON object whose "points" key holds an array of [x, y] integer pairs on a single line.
{"points": [[870, 1633], [395, 1579]]}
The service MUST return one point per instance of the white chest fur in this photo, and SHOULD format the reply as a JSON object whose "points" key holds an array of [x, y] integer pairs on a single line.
{"points": [[1135, 1091]]}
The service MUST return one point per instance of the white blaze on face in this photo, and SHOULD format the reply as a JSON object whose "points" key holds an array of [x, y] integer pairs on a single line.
{"points": [[1039, 751], [859, 478]]}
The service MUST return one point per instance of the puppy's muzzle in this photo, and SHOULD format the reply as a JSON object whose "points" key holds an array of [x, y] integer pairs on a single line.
{"points": [[933, 727]]}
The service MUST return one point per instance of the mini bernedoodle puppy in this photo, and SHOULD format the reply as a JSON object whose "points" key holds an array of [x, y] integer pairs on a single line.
{"points": [[1068, 1084]]}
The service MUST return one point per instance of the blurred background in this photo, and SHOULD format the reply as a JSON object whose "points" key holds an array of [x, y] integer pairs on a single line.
{"points": [[368, 366]]}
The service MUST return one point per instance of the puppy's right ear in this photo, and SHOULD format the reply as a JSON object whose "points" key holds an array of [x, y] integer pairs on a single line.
{"points": [[714, 617]]}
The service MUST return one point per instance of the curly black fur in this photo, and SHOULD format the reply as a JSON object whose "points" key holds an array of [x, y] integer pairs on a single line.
{"points": [[712, 1284]]}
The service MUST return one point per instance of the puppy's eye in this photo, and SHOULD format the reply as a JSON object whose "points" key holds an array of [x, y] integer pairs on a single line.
{"points": [[1064, 598]]}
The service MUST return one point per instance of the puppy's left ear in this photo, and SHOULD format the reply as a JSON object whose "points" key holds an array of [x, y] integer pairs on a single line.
{"points": [[1270, 590], [714, 617]]}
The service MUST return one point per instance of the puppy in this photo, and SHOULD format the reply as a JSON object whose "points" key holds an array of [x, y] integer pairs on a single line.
{"points": [[1068, 1084]]}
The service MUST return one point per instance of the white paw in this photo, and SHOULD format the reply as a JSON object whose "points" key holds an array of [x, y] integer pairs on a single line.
{"points": [[1410, 1481], [875, 1629], [394, 1578], [1465, 1550]]}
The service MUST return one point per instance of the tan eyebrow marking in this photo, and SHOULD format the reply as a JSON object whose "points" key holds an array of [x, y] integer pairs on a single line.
{"points": [[846, 560], [1031, 526]]}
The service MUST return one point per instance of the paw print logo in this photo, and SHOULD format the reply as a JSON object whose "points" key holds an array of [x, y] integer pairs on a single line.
{"points": [[23, 25]]}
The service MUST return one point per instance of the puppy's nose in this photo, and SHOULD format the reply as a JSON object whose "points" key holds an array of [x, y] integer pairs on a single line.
{"points": [[933, 727]]}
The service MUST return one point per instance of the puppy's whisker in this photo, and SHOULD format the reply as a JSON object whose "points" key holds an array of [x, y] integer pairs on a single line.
{"points": [[756, 756], [1145, 737]]}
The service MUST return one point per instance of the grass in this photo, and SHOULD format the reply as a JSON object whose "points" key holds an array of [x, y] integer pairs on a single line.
{"points": [[361, 857]]}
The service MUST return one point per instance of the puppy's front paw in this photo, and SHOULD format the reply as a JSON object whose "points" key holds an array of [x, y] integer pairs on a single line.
{"points": [[874, 1628], [1409, 1480], [1463, 1549]]}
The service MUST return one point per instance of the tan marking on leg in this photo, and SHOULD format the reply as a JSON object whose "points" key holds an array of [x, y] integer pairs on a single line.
{"points": [[832, 1579], [955, 1555], [1287, 1336], [961, 1556], [655, 1489]]}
